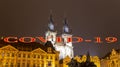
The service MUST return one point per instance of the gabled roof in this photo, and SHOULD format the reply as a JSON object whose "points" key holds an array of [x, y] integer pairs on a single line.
{"points": [[9, 47], [49, 44], [39, 50], [28, 46]]}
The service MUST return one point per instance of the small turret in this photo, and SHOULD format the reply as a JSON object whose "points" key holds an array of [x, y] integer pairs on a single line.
{"points": [[88, 57]]}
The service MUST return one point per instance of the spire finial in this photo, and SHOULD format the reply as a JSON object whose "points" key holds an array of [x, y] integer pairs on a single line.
{"points": [[51, 20], [65, 27], [51, 25], [88, 57]]}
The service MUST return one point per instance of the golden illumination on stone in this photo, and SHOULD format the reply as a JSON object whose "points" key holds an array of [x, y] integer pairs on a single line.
{"points": [[112, 60], [12, 57]]}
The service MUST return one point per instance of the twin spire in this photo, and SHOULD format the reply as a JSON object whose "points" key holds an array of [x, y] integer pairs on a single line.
{"points": [[52, 27]]}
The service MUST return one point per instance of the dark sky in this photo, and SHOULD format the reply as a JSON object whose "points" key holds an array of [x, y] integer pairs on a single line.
{"points": [[86, 18]]}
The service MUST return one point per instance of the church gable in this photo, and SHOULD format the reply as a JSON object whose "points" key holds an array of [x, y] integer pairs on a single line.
{"points": [[9, 48], [38, 50]]}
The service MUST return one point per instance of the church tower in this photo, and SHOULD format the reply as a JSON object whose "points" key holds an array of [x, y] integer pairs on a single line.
{"points": [[65, 47], [51, 33], [67, 39], [66, 34]]}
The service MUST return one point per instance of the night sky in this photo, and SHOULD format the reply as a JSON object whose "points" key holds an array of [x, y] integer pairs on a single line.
{"points": [[86, 18]]}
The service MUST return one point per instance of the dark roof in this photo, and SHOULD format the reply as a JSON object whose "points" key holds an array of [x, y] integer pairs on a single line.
{"points": [[49, 44], [28, 46]]}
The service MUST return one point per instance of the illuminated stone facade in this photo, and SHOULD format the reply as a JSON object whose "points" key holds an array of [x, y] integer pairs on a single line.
{"points": [[13, 57], [65, 61], [112, 60], [94, 59]]}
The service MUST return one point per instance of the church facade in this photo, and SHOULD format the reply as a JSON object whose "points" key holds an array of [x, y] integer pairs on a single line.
{"points": [[64, 47]]}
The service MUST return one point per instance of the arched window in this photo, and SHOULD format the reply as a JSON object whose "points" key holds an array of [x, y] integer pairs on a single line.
{"points": [[11, 65], [33, 64], [6, 65], [28, 64], [49, 63], [18, 64]]}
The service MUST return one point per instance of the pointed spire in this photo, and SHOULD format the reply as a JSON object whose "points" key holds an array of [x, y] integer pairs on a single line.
{"points": [[88, 57], [51, 20], [65, 27], [51, 25]]}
